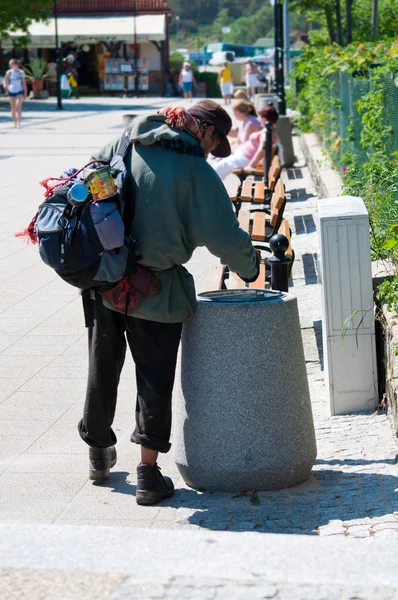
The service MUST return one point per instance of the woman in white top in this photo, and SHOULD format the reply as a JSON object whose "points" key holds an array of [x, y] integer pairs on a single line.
{"points": [[251, 78], [16, 89], [187, 80]]}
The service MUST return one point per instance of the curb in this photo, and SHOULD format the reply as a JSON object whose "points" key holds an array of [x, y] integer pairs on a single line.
{"points": [[326, 179]]}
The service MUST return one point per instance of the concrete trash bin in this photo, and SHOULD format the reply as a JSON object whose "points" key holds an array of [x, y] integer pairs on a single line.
{"points": [[243, 417]]}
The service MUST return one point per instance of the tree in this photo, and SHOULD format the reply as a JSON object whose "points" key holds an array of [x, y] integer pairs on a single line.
{"points": [[18, 15], [247, 30], [315, 10]]}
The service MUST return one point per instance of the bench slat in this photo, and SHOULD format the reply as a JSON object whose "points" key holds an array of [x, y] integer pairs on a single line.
{"points": [[244, 220], [285, 230], [215, 278], [247, 190], [258, 233], [276, 202], [260, 281], [259, 192], [274, 172], [232, 185]]}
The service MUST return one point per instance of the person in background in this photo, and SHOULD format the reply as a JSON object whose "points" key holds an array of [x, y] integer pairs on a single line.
{"points": [[241, 95], [262, 76], [246, 114], [249, 154], [251, 72], [187, 80], [72, 75], [16, 89], [226, 83], [52, 75]]}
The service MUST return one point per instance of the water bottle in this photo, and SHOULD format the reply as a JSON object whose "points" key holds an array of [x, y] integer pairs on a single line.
{"points": [[78, 194]]}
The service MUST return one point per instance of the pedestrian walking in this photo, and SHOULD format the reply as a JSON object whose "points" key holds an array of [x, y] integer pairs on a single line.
{"points": [[226, 83], [73, 76], [251, 72], [16, 89], [187, 80], [180, 204], [51, 76]]}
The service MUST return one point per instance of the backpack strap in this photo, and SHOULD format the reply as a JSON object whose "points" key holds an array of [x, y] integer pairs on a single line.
{"points": [[124, 145]]}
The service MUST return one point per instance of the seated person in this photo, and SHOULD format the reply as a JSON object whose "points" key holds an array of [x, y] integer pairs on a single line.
{"points": [[241, 95], [246, 114], [249, 154]]}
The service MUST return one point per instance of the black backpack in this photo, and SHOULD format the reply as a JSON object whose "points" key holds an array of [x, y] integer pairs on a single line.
{"points": [[69, 241]]}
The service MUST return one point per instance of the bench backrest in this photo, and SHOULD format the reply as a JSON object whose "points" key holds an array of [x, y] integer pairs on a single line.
{"points": [[277, 204], [274, 172]]}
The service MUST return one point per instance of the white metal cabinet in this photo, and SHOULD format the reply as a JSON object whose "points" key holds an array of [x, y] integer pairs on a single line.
{"points": [[346, 273]]}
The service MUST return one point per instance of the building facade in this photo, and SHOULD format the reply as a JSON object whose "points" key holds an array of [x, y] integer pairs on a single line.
{"points": [[110, 39]]}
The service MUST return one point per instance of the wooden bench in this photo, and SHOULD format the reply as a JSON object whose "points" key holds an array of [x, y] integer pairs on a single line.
{"points": [[258, 171], [260, 225], [220, 277], [256, 192]]}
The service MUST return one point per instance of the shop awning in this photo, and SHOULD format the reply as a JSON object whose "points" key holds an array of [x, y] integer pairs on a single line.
{"points": [[91, 30]]}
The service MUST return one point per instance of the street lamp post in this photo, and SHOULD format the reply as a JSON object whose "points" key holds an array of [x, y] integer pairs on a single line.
{"points": [[281, 90], [279, 77], [57, 58], [136, 79]]}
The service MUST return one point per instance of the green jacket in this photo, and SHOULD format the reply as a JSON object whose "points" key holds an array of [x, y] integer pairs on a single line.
{"points": [[181, 204]]}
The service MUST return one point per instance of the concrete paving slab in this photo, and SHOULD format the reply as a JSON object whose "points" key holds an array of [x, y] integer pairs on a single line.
{"points": [[40, 498]]}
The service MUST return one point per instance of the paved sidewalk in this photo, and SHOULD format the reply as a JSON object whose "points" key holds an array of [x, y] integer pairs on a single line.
{"points": [[43, 365]]}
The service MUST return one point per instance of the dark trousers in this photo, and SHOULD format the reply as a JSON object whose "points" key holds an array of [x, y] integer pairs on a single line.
{"points": [[154, 347]]}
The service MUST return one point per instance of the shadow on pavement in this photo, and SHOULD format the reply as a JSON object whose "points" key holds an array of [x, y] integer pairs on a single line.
{"points": [[309, 266], [82, 106], [319, 341], [304, 224], [330, 495], [299, 195]]}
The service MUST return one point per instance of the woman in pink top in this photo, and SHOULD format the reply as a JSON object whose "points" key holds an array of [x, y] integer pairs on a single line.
{"points": [[245, 113], [249, 153]]}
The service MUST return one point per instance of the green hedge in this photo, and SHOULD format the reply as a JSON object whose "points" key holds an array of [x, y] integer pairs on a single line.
{"points": [[213, 89]]}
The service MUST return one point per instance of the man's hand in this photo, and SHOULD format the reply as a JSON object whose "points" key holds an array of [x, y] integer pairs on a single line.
{"points": [[258, 255]]}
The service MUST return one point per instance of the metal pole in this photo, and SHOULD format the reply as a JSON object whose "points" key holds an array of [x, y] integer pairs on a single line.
{"points": [[276, 44], [136, 80], [286, 25], [177, 31], [57, 58], [267, 151], [281, 79]]}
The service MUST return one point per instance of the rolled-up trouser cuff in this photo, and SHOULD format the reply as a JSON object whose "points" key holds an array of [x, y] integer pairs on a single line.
{"points": [[107, 442], [151, 444]]}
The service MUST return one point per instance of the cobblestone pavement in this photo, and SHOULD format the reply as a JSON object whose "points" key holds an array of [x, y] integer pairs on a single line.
{"points": [[43, 464]]}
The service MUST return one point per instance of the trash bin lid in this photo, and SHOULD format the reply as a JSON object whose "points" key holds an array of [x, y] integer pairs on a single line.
{"points": [[245, 295]]}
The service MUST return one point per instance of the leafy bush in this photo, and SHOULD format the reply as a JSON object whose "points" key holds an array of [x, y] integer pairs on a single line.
{"points": [[176, 62], [364, 149], [213, 89]]}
